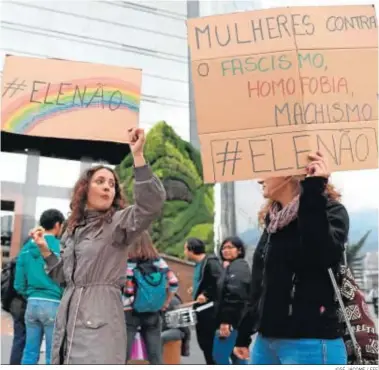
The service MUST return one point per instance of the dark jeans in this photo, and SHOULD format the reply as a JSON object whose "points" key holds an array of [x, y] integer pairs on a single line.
{"points": [[205, 332], [19, 336], [150, 328]]}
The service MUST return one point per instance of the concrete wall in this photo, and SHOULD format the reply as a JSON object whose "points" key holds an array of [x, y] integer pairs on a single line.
{"points": [[184, 272]]}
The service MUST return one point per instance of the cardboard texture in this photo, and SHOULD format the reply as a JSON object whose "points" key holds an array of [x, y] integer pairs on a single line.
{"points": [[282, 151], [231, 96], [243, 33], [65, 99], [343, 89], [335, 27], [292, 68]]}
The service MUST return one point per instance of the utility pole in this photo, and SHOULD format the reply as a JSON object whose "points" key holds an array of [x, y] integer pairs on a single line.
{"points": [[228, 210]]}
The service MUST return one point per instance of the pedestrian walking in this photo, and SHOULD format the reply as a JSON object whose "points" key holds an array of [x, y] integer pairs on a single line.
{"points": [[90, 327], [233, 294], [204, 289], [293, 305], [42, 293], [15, 304], [149, 288]]}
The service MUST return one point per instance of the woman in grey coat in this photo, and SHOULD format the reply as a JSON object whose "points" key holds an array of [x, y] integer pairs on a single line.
{"points": [[90, 325]]}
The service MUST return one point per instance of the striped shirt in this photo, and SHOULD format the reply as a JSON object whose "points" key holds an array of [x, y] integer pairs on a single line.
{"points": [[128, 290]]}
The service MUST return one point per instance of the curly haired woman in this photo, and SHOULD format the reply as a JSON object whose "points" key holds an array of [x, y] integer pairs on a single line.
{"points": [[293, 306], [90, 326]]}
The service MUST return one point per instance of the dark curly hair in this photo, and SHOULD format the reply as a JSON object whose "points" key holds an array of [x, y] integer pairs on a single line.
{"points": [[79, 198]]}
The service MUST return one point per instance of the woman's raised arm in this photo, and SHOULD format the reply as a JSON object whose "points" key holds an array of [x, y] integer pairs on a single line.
{"points": [[149, 198]]}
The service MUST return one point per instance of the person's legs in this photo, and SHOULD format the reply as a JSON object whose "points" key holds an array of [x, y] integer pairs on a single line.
{"points": [[171, 335], [205, 337], [19, 337], [311, 351], [262, 353], [34, 334], [151, 333], [132, 323], [48, 313]]}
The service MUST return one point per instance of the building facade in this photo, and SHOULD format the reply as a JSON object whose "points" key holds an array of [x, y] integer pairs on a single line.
{"points": [[226, 215], [150, 35]]}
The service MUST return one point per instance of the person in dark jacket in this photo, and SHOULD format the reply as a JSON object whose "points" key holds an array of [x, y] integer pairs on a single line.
{"points": [[233, 296], [204, 289], [293, 307], [15, 305], [174, 334]]}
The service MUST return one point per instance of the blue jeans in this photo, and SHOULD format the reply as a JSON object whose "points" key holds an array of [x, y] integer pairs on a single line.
{"points": [[269, 351], [39, 320], [223, 350], [18, 344]]}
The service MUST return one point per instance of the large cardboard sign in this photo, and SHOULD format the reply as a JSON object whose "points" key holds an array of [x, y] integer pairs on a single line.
{"points": [[310, 71], [64, 99]]}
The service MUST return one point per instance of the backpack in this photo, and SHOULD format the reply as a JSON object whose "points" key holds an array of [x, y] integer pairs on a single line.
{"points": [[151, 287], [8, 292]]}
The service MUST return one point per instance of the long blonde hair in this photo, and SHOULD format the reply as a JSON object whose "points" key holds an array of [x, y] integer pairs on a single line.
{"points": [[330, 191]]}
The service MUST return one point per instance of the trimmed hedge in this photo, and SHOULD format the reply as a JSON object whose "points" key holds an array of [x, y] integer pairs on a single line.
{"points": [[172, 158]]}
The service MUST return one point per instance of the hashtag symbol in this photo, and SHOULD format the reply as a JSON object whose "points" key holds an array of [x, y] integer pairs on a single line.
{"points": [[229, 156], [13, 87]]}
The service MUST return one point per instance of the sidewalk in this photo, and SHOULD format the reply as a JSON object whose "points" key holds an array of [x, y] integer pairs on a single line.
{"points": [[196, 357], [7, 338]]}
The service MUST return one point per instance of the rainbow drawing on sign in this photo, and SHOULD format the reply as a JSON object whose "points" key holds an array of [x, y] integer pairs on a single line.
{"points": [[46, 101]]}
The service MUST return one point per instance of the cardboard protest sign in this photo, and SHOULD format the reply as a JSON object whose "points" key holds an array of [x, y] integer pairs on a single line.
{"points": [[301, 69], [263, 152], [64, 99]]}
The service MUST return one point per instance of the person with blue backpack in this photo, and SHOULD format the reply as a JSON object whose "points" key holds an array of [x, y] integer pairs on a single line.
{"points": [[149, 288]]}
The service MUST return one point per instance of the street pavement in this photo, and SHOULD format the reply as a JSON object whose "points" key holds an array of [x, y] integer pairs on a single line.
{"points": [[196, 357]]}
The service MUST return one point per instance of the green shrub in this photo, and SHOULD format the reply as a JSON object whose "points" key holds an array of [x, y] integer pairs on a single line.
{"points": [[172, 158]]}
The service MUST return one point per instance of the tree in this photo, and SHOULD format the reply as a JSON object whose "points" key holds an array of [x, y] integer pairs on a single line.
{"points": [[353, 255]]}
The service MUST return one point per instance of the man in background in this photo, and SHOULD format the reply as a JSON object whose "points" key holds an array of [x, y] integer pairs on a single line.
{"points": [[204, 290], [42, 293]]}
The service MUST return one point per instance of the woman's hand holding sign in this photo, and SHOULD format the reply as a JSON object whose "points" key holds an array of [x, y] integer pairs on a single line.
{"points": [[318, 166]]}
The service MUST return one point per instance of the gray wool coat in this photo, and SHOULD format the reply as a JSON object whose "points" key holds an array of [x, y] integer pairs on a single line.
{"points": [[90, 324]]}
